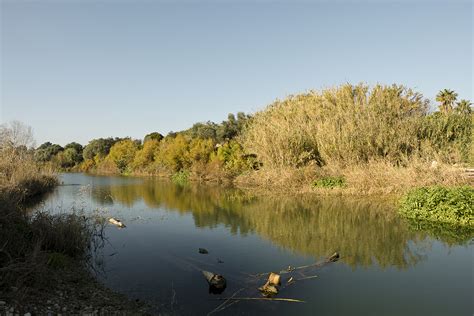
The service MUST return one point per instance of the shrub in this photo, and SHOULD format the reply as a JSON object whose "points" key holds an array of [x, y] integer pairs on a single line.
{"points": [[452, 205], [181, 177], [330, 182], [233, 157]]}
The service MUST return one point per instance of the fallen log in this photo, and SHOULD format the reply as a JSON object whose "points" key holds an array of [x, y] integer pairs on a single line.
{"points": [[117, 222]]}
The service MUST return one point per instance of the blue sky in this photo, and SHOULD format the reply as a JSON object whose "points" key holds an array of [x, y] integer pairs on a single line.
{"points": [[77, 70]]}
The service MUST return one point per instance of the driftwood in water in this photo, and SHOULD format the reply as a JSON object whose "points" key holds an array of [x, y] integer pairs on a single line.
{"points": [[117, 222], [273, 284], [333, 258], [217, 283], [270, 288]]}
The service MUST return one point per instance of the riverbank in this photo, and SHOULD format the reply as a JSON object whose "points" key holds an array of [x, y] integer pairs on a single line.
{"points": [[375, 178], [44, 259]]}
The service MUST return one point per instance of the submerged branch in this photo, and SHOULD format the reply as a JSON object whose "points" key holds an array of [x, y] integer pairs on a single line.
{"points": [[291, 300]]}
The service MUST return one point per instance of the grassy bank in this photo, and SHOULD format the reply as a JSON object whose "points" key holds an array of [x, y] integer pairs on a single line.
{"points": [[44, 257]]}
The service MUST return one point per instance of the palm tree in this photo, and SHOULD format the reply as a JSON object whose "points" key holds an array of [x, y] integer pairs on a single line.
{"points": [[464, 106], [446, 98]]}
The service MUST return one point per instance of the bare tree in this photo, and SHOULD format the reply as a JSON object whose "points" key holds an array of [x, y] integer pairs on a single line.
{"points": [[16, 134]]}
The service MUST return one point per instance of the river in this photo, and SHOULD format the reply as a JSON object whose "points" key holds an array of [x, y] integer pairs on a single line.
{"points": [[387, 266]]}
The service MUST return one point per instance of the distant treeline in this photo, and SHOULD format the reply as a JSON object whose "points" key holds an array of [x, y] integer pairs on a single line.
{"points": [[343, 126], [205, 150]]}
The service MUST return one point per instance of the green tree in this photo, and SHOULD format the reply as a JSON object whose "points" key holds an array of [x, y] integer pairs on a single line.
{"points": [[68, 158], [99, 147], [153, 136], [203, 130], [46, 151], [75, 152], [446, 98]]}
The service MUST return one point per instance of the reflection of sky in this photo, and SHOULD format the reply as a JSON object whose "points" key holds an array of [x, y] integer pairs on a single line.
{"points": [[157, 253]]}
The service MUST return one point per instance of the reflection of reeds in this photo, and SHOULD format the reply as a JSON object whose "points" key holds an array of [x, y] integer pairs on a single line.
{"points": [[365, 231]]}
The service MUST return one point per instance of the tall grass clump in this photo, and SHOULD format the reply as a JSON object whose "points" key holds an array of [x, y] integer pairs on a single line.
{"points": [[448, 136], [344, 125], [450, 205], [381, 139]]}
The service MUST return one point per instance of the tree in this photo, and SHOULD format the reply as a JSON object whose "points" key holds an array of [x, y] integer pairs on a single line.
{"points": [[122, 154], [47, 151], [173, 153], [464, 107], [69, 157], [145, 156], [99, 147], [16, 134], [153, 136], [203, 130], [446, 98]]}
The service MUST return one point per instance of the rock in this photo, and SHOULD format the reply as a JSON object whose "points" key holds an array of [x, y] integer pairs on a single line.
{"points": [[2, 303], [27, 314], [203, 251]]}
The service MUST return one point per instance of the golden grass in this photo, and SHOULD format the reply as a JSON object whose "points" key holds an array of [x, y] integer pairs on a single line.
{"points": [[375, 177]]}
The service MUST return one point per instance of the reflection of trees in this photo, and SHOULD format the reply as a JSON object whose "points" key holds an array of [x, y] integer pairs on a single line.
{"points": [[364, 232]]}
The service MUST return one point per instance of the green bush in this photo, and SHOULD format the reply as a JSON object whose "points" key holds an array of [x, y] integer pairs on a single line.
{"points": [[181, 177], [330, 182], [452, 205]]}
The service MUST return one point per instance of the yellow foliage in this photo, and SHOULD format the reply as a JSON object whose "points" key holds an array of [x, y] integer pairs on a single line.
{"points": [[173, 153], [146, 156], [122, 154]]}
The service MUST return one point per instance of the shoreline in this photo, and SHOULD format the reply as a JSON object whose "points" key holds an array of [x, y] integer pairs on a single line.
{"points": [[62, 284]]}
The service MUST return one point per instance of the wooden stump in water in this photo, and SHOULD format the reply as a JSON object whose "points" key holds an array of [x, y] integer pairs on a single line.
{"points": [[217, 283], [270, 288]]}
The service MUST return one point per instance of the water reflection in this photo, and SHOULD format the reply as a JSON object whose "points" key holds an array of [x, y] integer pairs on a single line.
{"points": [[366, 232]]}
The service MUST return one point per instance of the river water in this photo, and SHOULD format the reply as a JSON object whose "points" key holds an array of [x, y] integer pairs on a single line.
{"points": [[387, 266]]}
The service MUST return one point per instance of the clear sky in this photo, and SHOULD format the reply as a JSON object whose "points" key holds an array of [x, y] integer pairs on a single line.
{"points": [[77, 70]]}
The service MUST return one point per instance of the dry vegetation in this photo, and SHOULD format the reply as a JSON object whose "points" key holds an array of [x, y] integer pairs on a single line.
{"points": [[40, 253], [380, 140]]}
